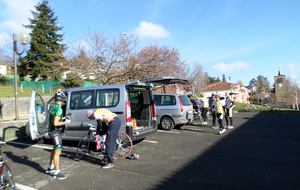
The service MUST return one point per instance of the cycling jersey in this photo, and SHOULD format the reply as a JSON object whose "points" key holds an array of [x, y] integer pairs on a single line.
{"points": [[218, 107], [56, 110], [229, 102], [205, 102], [104, 115]]}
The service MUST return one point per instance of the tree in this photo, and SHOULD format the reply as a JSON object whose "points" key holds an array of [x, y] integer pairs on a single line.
{"points": [[73, 80], [252, 81], [293, 91], [156, 61], [240, 82], [116, 61], [44, 59], [213, 80], [223, 78], [262, 84], [3, 79], [198, 79]]}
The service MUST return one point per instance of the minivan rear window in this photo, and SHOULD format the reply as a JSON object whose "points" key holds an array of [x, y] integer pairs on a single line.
{"points": [[185, 100]]}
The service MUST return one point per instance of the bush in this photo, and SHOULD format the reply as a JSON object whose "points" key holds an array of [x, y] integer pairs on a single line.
{"points": [[3, 79], [73, 81]]}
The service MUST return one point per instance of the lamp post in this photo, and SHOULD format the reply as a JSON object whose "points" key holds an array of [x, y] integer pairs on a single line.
{"points": [[230, 85], [24, 38]]}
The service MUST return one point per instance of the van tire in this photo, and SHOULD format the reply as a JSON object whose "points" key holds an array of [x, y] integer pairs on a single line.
{"points": [[167, 123]]}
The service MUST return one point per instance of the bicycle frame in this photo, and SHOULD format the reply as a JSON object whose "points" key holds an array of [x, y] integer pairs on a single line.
{"points": [[122, 148]]}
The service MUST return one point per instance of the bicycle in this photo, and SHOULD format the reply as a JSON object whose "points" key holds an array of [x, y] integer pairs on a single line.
{"points": [[122, 148], [250, 108], [272, 108], [265, 107], [6, 178]]}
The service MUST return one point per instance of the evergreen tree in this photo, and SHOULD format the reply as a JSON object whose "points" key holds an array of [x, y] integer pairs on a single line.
{"points": [[223, 78], [44, 59]]}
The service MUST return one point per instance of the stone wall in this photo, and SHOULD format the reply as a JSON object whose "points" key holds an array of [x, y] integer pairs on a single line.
{"points": [[8, 108]]}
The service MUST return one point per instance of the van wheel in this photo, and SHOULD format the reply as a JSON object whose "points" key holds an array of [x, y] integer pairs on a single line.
{"points": [[166, 123]]}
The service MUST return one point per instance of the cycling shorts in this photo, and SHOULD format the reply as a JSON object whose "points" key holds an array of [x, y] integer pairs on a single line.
{"points": [[56, 138]]}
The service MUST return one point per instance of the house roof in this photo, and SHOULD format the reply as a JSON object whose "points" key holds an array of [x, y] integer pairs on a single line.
{"points": [[219, 85], [70, 68], [290, 102]]}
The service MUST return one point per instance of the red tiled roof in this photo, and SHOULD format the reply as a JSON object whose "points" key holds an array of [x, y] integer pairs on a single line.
{"points": [[70, 68], [291, 101], [219, 85]]}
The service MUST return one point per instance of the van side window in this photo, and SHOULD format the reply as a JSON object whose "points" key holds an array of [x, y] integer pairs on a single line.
{"points": [[82, 100], [168, 100], [107, 98]]}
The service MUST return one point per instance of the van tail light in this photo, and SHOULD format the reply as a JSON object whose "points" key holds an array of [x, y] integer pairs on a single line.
{"points": [[128, 113], [181, 106], [153, 110]]}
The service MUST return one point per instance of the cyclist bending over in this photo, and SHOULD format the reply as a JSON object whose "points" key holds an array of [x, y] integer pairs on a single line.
{"points": [[111, 124]]}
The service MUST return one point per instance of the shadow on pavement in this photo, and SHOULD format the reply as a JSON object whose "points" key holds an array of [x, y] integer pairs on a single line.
{"points": [[263, 153]]}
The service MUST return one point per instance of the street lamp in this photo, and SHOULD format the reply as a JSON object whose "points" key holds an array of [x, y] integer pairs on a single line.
{"points": [[24, 38]]}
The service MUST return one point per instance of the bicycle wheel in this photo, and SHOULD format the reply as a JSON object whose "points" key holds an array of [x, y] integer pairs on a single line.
{"points": [[123, 146], [83, 146], [246, 108], [276, 109], [7, 178]]}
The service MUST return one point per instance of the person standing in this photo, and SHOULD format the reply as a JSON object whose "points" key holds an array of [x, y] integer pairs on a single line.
{"points": [[211, 102], [111, 124], [205, 108], [229, 105], [55, 127], [218, 108]]}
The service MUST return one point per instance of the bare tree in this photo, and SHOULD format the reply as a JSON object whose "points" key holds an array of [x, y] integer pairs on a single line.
{"points": [[108, 61], [198, 79], [158, 61], [293, 91]]}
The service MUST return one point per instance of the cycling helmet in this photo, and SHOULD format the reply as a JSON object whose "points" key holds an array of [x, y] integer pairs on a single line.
{"points": [[59, 96], [213, 93], [201, 95], [218, 95]]}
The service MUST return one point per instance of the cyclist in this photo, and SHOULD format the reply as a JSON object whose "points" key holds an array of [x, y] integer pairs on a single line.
{"points": [[55, 127], [229, 105], [111, 124], [205, 105], [218, 108], [211, 102]]}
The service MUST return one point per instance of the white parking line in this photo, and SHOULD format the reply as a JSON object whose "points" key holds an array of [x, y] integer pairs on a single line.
{"points": [[168, 131], [24, 187], [149, 141], [39, 146]]}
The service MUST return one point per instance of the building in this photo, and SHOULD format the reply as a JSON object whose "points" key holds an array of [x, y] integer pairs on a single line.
{"points": [[280, 88], [239, 93]]}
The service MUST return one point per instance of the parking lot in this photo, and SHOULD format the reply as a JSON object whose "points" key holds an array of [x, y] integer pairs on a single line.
{"points": [[261, 152]]}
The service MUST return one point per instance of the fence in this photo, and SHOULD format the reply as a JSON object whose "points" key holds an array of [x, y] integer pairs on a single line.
{"points": [[47, 86]]}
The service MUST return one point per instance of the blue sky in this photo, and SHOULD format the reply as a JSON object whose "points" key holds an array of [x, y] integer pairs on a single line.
{"points": [[239, 38]]}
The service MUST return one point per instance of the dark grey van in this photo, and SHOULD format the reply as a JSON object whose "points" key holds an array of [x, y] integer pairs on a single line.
{"points": [[132, 100]]}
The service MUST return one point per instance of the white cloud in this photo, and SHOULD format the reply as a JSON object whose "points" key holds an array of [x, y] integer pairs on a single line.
{"points": [[229, 68], [17, 13], [148, 29], [291, 66], [5, 38]]}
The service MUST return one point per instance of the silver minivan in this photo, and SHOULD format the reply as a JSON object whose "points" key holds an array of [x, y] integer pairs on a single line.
{"points": [[173, 110], [131, 100]]}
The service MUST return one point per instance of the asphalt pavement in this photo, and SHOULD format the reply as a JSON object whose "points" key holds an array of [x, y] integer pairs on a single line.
{"points": [[261, 152]]}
